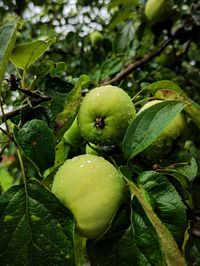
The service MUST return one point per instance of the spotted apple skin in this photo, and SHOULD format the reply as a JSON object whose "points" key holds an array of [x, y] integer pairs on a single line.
{"points": [[93, 189], [105, 114]]}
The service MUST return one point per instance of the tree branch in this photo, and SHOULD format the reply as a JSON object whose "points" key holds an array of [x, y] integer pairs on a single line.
{"points": [[140, 62], [33, 94], [16, 111]]}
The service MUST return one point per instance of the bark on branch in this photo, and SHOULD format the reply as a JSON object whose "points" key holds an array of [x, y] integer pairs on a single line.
{"points": [[142, 61], [16, 111]]}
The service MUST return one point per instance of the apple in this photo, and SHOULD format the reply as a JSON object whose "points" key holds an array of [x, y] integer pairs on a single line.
{"points": [[93, 189], [158, 11], [165, 141], [96, 38], [73, 136], [105, 114]]}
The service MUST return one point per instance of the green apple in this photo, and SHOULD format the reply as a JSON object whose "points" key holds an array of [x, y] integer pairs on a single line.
{"points": [[158, 10], [165, 141], [96, 38], [105, 114], [73, 136], [93, 189]]}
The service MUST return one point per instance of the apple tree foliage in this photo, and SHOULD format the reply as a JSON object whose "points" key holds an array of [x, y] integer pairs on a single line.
{"points": [[47, 64]]}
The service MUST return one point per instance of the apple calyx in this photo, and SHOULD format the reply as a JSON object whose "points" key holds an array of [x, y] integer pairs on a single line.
{"points": [[99, 123], [103, 121]]}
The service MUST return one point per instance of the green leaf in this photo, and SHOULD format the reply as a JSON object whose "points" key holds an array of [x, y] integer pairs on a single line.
{"points": [[164, 85], [58, 68], [110, 67], [25, 54], [193, 110], [187, 168], [116, 246], [55, 86], [146, 237], [128, 252], [39, 112], [37, 142], [124, 37], [168, 204], [122, 15], [192, 250], [148, 125], [65, 118], [7, 40], [172, 254], [35, 228], [195, 191], [191, 107]]}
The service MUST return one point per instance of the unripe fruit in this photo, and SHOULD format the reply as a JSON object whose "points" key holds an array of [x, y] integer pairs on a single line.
{"points": [[158, 10], [92, 189], [105, 114], [73, 136], [96, 38], [164, 143]]}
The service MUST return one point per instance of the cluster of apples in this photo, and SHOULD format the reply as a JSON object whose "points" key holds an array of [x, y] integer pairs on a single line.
{"points": [[155, 11], [89, 185]]}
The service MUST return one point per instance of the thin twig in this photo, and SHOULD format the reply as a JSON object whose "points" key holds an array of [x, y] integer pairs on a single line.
{"points": [[32, 94], [4, 141], [22, 167], [16, 111], [3, 130], [27, 213], [4, 147], [3, 117], [136, 95], [23, 79]]}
